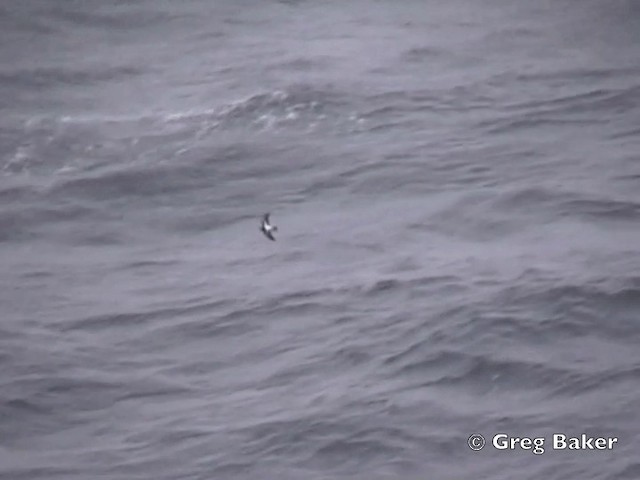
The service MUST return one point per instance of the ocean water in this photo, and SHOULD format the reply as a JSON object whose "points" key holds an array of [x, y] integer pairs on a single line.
{"points": [[457, 190]]}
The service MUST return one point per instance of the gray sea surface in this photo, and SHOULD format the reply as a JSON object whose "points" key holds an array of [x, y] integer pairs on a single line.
{"points": [[457, 190]]}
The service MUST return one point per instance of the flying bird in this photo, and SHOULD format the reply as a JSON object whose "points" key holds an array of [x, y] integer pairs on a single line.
{"points": [[267, 228]]}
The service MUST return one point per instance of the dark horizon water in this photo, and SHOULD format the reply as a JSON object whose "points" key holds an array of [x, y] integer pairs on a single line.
{"points": [[457, 191]]}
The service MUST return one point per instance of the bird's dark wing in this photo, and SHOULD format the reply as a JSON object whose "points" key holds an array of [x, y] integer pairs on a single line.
{"points": [[270, 235], [265, 219]]}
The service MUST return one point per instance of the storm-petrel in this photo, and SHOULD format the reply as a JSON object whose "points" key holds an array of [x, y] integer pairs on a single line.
{"points": [[267, 228]]}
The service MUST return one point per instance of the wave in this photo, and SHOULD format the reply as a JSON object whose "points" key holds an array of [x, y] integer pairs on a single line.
{"points": [[563, 204], [68, 144], [43, 77], [127, 20]]}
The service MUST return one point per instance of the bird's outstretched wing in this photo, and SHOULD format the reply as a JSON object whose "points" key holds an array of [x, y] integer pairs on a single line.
{"points": [[265, 219], [270, 235]]}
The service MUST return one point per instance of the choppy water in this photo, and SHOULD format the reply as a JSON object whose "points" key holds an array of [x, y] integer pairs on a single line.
{"points": [[457, 190]]}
